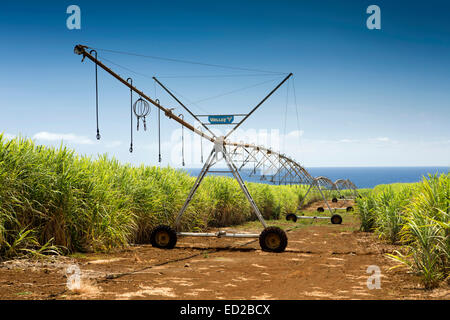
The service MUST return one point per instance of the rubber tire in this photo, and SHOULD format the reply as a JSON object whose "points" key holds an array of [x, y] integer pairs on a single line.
{"points": [[349, 209], [172, 237], [334, 200], [336, 219], [320, 209], [269, 231], [291, 217]]}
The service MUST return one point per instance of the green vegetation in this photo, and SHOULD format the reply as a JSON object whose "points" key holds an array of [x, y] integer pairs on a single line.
{"points": [[54, 200], [416, 216]]}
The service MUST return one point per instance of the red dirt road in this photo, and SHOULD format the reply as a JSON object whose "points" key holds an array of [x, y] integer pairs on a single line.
{"points": [[322, 261]]}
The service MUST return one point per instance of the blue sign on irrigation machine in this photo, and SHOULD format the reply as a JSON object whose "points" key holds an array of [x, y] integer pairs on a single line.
{"points": [[221, 119]]}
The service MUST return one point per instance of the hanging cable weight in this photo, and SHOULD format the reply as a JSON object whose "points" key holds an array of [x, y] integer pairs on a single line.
{"points": [[131, 113], [182, 140], [159, 132], [141, 109], [96, 95]]}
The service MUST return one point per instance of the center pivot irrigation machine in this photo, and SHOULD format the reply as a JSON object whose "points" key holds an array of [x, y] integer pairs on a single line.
{"points": [[342, 184], [327, 187], [275, 167], [331, 189]]}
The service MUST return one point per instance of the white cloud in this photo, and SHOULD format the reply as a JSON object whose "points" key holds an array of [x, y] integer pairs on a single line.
{"points": [[66, 137], [436, 142], [348, 140], [382, 139], [295, 134]]}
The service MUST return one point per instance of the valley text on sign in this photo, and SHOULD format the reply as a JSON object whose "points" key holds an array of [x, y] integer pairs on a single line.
{"points": [[221, 119]]}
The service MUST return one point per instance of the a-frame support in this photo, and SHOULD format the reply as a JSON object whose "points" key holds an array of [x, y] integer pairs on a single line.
{"points": [[219, 149], [315, 184]]}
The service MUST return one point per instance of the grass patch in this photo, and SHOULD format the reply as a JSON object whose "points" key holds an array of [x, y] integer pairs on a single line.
{"points": [[416, 216]]}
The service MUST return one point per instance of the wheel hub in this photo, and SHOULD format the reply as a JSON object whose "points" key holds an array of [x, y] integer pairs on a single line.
{"points": [[273, 241], [162, 238]]}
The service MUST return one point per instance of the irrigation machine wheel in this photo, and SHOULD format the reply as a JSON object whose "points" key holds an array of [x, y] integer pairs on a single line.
{"points": [[291, 217], [336, 219], [334, 200], [349, 209], [320, 209], [273, 239], [163, 237]]}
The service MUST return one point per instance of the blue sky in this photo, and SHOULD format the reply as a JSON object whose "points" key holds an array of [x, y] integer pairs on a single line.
{"points": [[364, 97]]}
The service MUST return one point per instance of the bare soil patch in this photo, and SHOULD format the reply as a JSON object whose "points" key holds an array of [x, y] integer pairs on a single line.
{"points": [[322, 261]]}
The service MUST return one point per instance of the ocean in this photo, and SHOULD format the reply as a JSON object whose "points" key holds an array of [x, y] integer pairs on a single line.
{"points": [[362, 177]]}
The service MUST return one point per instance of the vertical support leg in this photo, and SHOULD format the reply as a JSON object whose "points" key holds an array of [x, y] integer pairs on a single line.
{"points": [[303, 200], [355, 193], [324, 199], [339, 192], [342, 196], [194, 188], [237, 176]]}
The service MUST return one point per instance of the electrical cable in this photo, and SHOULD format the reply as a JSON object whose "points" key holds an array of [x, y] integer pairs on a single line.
{"points": [[187, 61], [219, 76], [298, 116], [285, 117], [195, 103], [237, 90]]}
